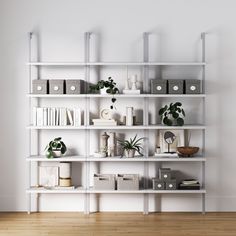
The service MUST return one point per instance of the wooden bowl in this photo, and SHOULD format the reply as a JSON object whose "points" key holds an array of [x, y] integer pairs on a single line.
{"points": [[187, 151]]}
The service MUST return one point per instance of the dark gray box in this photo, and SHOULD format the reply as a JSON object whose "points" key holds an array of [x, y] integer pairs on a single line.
{"points": [[40, 86], [56, 86], [128, 182], [165, 174], [158, 184], [175, 86], [158, 86], [74, 86], [192, 86], [104, 182], [171, 184]]}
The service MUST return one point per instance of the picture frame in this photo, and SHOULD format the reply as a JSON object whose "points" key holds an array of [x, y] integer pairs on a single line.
{"points": [[48, 176], [179, 141]]}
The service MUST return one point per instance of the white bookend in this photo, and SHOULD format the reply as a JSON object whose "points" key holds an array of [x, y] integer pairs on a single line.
{"points": [[63, 117], [57, 116], [39, 116], [69, 114], [49, 114], [77, 117], [34, 116], [53, 116], [45, 116]]}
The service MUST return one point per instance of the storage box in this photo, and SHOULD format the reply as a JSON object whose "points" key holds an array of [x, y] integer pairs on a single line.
{"points": [[192, 86], [104, 182], [158, 184], [158, 86], [171, 184], [175, 86], [56, 86], [128, 182], [40, 86], [165, 174], [74, 86]]}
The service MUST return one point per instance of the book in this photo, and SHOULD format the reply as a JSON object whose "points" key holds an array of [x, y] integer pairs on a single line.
{"points": [[77, 117], [130, 91], [39, 116], [69, 114], [53, 116], [190, 186], [34, 116], [57, 116], [45, 116], [63, 117], [189, 181], [49, 116]]}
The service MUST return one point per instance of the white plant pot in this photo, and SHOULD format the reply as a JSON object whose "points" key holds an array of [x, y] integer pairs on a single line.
{"points": [[103, 91], [56, 153], [129, 153]]}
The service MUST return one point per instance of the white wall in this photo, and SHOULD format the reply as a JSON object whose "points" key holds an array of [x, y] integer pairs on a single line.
{"points": [[175, 28]]}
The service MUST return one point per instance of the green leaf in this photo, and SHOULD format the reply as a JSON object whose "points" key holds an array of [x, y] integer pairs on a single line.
{"points": [[183, 112], [180, 121], [162, 110], [178, 104], [57, 139], [167, 121], [175, 115]]}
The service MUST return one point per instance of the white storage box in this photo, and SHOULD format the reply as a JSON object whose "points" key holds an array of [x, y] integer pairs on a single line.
{"points": [[128, 182], [104, 182]]}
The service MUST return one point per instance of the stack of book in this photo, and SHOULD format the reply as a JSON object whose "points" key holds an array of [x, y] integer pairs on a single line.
{"points": [[55, 116], [189, 184], [104, 122]]}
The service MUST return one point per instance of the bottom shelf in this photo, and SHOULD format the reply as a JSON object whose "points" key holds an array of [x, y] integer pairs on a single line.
{"points": [[82, 190]]}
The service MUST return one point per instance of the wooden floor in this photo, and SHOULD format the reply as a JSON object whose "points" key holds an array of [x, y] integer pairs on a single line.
{"points": [[158, 224]]}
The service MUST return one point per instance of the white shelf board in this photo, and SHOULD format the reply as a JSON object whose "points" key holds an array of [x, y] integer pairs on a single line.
{"points": [[59, 159], [147, 191], [37, 63], [120, 127], [57, 127], [116, 95], [43, 190], [143, 159]]}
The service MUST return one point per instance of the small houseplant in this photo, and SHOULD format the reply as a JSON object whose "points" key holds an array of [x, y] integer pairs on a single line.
{"points": [[109, 86], [55, 148], [129, 147], [173, 114]]}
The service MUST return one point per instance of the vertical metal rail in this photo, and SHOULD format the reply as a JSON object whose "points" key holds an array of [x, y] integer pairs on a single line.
{"points": [[30, 34], [146, 121], [204, 120], [86, 121]]}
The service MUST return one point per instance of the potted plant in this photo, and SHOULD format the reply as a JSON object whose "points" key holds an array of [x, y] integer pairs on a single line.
{"points": [[106, 86], [173, 114], [129, 147], [55, 148]]}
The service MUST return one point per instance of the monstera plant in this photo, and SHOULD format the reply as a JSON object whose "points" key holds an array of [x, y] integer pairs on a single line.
{"points": [[172, 114], [55, 148]]}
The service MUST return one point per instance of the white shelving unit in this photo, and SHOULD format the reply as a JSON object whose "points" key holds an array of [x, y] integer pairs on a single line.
{"points": [[87, 159]]}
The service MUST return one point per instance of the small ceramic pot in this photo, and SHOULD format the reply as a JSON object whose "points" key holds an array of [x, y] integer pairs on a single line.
{"points": [[103, 91], [129, 153], [56, 153]]}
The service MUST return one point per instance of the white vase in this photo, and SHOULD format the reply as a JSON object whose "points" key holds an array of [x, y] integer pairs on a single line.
{"points": [[103, 91], [129, 153]]}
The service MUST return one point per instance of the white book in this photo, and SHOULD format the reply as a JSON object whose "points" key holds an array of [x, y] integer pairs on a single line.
{"points": [[126, 91], [63, 117], [45, 116], [104, 121], [49, 116], [39, 116], [53, 116], [34, 116], [69, 114], [57, 116], [77, 117]]}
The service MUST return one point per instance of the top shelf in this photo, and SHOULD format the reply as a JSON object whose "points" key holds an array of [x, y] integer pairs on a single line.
{"points": [[36, 63]]}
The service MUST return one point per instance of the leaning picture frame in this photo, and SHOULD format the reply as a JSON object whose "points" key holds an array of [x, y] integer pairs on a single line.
{"points": [[48, 176], [179, 140]]}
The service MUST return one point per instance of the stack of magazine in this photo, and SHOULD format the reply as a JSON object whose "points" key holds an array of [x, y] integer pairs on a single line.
{"points": [[189, 184]]}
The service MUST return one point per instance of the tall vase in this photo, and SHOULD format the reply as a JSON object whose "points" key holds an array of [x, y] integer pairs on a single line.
{"points": [[103, 143], [111, 144], [129, 116]]}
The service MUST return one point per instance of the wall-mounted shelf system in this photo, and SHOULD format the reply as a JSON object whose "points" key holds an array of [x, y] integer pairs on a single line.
{"points": [[87, 159]]}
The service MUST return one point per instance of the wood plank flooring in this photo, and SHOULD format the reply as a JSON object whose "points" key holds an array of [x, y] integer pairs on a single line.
{"points": [[109, 224]]}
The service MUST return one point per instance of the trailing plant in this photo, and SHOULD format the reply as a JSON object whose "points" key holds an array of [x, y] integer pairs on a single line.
{"points": [[172, 114], [110, 87], [55, 145], [131, 144]]}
